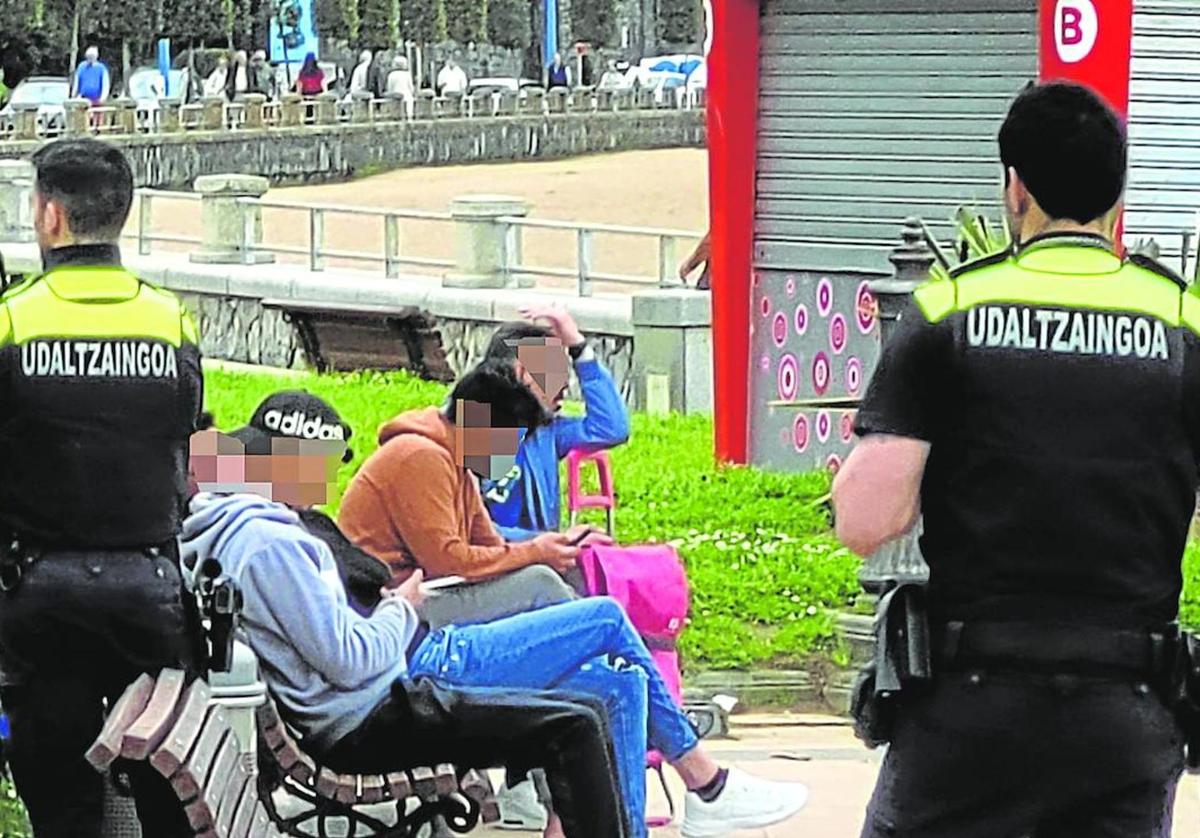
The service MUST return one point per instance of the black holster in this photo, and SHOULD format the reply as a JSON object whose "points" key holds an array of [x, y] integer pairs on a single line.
{"points": [[1184, 689], [902, 663], [219, 602]]}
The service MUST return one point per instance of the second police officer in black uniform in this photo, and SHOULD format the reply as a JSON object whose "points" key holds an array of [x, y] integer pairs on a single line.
{"points": [[1041, 410], [100, 389]]}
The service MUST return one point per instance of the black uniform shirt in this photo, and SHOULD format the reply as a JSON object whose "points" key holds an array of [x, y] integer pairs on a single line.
{"points": [[1059, 390]]}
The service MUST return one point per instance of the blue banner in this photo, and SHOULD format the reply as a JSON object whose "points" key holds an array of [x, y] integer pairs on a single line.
{"points": [[550, 41], [293, 32], [164, 65]]}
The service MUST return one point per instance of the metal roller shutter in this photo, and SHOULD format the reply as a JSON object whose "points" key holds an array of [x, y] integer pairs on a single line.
{"points": [[874, 110], [1164, 124]]}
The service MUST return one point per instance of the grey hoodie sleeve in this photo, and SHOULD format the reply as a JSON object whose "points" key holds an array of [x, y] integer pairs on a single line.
{"points": [[289, 593]]}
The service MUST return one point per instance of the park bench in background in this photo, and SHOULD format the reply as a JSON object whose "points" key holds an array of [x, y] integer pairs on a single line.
{"points": [[188, 739]]}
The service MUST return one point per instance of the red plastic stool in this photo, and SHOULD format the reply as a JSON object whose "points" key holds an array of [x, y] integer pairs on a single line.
{"points": [[576, 501]]}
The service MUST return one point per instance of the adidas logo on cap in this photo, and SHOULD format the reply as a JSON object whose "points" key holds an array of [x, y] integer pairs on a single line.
{"points": [[298, 424]]}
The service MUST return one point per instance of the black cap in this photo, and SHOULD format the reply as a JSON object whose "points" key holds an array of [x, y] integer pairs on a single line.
{"points": [[296, 414]]}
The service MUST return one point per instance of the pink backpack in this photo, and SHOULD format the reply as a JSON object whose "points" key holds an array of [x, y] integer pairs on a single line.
{"points": [[652, 587]]}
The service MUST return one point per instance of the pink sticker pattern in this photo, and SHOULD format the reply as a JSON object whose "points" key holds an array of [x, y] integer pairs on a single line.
{"points": [[801, 319], [833, 463], [854, 375], [864, 308], [790, 286], [847, 427], [837, 333], [824, 426], [788, 380], [800, 433], [764, 363], [824, 296], [779, 327], [820, 373], [765, 306]]}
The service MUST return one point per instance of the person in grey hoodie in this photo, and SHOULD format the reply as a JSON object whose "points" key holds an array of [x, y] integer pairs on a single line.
{"points": [[344, 679]]}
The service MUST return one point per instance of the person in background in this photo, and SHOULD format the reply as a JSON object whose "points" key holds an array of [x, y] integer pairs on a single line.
{"points": [[451, 79], [237, 82], [558, 75], [218, 79], [358, 78], [525, 501], [700, 256], [400, 81], [612, 79], [5, 90], [311, 80], [260, 78], [377, 74], [92, 79]]}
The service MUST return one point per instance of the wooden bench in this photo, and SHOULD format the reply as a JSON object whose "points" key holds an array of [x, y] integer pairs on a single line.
{"points": [[338, 336], [188, 739]]}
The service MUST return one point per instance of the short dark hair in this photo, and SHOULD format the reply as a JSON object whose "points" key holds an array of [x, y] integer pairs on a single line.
{"points": [[1069, 148], [504, 343], [92, 182], [495, 383]]}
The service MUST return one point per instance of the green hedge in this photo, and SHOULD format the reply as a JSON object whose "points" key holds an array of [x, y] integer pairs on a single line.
{"points": [[379, 23], [509, 23], [467, 20], [337, 19], [423, 20], [679, 21], [595, 22]]}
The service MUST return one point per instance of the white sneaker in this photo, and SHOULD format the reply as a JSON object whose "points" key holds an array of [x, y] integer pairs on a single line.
{"points": [[746, 802], [520, 809]]}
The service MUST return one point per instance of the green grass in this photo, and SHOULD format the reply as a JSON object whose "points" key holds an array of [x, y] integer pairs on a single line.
{"points": [[765, 570]]}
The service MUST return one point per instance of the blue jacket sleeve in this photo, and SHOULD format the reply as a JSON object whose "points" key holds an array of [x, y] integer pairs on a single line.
{"points": [[606, 423], [516, 533]]}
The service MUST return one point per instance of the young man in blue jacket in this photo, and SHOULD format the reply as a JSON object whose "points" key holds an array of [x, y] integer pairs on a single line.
{"points": [[525, 502]]}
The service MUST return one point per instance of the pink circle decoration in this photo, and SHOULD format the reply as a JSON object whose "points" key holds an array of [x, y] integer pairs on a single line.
{"points": [[865, 308], [847, 427], [854, 375], [788, 377], [837, 333], [824, 296], [790, 286], [833, 463], [820, 373], [765, 306], [824, 426], [801, 319], [764, 363], [800, 433], [779, 327]]}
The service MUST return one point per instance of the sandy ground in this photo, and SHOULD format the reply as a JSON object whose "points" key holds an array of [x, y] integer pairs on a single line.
{"points": [[664, 189], [822, 753]]}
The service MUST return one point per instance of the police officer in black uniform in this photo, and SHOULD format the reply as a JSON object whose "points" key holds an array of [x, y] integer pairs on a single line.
{"points": [[1040, 410], [100, 388]]}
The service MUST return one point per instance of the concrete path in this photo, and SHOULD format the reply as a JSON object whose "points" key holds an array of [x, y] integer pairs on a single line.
{"points": [[822, 752]]}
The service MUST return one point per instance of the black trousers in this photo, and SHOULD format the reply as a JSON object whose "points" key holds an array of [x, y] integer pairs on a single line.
{"points": [[567, 735], [987, 754], [79, 628]]}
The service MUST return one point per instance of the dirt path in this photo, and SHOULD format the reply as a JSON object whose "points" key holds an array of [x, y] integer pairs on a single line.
{"points": [[666, 188]]}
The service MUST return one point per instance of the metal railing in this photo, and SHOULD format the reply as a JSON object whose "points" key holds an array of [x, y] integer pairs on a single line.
{"points": [[580, 259]]}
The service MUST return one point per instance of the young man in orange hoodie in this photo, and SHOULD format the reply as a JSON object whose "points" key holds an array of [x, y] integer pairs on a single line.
{"points": [[416, 503]]}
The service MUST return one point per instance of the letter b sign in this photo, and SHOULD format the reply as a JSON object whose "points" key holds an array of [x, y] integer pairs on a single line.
{"points": [[1076, 27]]}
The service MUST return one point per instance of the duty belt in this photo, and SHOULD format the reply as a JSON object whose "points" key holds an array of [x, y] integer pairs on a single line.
{"points": [[18, 554], [1045, 646]]}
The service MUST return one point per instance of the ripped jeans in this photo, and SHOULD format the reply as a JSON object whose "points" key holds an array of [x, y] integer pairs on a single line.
{"points": [[586, 646]]}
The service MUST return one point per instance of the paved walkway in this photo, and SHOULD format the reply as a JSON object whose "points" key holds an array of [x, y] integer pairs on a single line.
{"points": [[822, 752]]}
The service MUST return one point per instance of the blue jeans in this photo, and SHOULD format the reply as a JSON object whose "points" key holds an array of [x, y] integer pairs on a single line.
{"points": [[587, 646]]}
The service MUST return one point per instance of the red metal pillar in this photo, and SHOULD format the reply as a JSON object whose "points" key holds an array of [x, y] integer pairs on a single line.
{"points": [[732, 103]]}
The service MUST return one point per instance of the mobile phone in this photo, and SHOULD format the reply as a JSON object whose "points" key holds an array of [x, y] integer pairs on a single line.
{"points": [[577, 540], [441, 582]]}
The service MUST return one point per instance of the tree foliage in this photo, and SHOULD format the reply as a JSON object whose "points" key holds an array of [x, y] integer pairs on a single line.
{"points": [[194, 21], [679, 21], [467, 20], [423, 21], [337, 19], [595, 21], [508, 23], [379, 22]]}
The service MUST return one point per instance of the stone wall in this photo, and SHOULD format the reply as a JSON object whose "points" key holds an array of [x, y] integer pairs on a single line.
{"points": [[240, 329], [319, 153]]}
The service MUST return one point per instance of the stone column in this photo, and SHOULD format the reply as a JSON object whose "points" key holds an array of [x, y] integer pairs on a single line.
{"points": [[534, 103], [253, 105], [230, 229], [126, 115], [453, 105], [77, 117], [424, 105], [360, 107], [556, 100], [482, 103], [25, 122], [508, 103], [169, 115], [672, 351], [212, 114], [899, 560], [291, 110], [606, 100], [483, 247], [624, 100], [16, 206], [393, 109], [327, 111]]}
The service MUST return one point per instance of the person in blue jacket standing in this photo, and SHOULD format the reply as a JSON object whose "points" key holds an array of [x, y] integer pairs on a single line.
{"points": [[525, 502]]}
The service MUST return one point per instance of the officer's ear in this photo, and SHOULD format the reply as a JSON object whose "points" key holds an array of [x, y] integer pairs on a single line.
{"points": [[1016, 196]]}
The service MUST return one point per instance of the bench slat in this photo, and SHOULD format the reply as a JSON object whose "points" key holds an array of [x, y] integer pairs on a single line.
{"points": [[445, 778], [423, 782], [155, 722], [327, 783], [399, 786], [200, 816], [243, 819], [262, 825], [188, 781], [174, 749], [297, 764], [374, 788], [347, 789], [124, 713], [231, 796], [478, 787], [223, 766]]}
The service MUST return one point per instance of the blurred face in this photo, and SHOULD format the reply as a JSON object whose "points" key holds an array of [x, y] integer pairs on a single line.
{"points": [[489, 452], [297, 472], [92, 55], [544, 367]]}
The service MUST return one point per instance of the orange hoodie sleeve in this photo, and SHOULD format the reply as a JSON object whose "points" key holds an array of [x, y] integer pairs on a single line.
{"points": [[391, 511]]}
